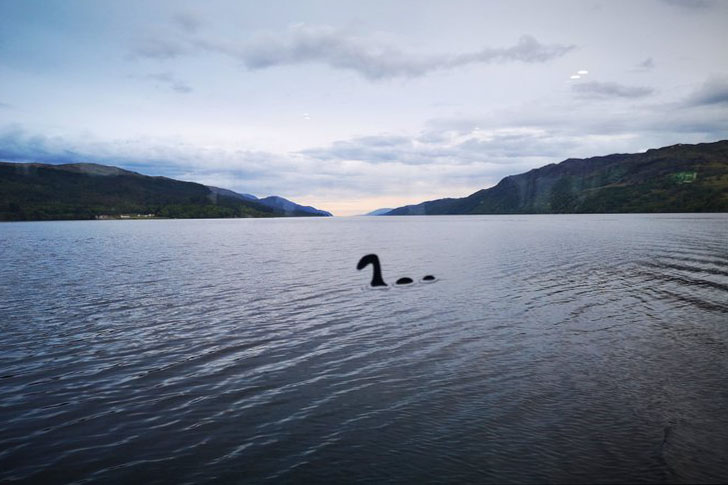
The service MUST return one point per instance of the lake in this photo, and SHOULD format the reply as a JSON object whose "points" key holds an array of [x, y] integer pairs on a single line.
{"points": [[550, 348]]}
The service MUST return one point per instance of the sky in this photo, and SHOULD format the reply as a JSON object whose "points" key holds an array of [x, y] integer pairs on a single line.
{"points": [[352, 106]]}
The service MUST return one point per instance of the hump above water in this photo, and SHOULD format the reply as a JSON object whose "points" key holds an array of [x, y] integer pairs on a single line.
{"points": [[377, 279], [372, 259]]}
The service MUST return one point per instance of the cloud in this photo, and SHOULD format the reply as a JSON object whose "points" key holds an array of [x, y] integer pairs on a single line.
{"points": [[168, 79], [339, 50], [690, 4], [646, 65], [492, 153], [5, 105], [256, 172], [592, 129], [713, 92], [18, 146], [187, 21], [604, 90], [370, 149], [377, 165]]}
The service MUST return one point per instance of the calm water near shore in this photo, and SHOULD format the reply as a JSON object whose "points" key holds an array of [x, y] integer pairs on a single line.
{"points": [[550, 349]]}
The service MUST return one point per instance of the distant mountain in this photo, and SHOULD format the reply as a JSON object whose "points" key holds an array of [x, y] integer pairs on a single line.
{"points": [[34, 191], [378, 212], [275, 202], [230, 193], [678, 178], [291, 208]]}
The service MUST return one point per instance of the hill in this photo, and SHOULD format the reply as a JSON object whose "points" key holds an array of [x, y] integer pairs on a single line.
{"points": [[276, 203], [678, 178], [34, 191], [291, 208], [378, 212]]}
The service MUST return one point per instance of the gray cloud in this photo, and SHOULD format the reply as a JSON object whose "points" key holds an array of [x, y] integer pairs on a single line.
{"points": [[713, 92], [360, 167], [595, 89], [690, 4], [370, 149], [170, 81], [5, 105], [446, 148], [187, 21], [255, 172], [340, 50], [646, 65], [595, 130], [18, 146]]}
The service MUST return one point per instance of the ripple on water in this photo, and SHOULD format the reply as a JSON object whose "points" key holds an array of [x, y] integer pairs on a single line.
{"points": [[561, 349]]}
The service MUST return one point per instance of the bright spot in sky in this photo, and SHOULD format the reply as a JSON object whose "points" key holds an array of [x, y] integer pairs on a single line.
{"points": [[575, 76], [582, 72], [306, 116]]}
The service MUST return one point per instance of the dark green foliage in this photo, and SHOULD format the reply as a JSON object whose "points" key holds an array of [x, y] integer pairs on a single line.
{"points": [[87, 191], [503, 199], [563, 199], [679, 178]]}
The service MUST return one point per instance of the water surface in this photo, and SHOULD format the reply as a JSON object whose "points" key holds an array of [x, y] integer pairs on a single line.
{"points": [[550, 349]]}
